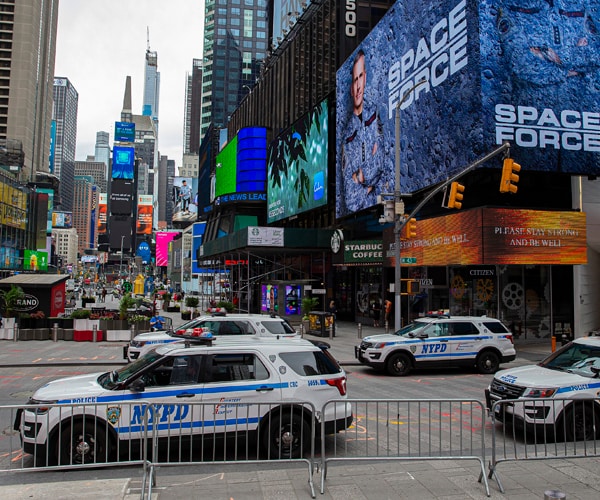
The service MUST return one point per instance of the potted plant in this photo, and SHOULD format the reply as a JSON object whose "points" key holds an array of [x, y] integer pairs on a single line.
{"points": [[308, 304], [191, 302], [127, 302], [166, 297], [8, 300]]}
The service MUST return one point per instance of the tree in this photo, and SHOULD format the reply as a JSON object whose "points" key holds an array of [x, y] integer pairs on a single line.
{"points": [[9, 299]]}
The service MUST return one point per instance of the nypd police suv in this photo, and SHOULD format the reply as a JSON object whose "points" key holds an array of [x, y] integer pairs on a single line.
{"points": [[219, 324], [440, 341], [559, 395], [252, 386]]}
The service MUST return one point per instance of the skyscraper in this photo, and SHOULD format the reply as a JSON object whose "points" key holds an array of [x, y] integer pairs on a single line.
{"points": [[151, 86], [27, 52], [66, 101], [235, 44], [193, 105], [102, 149]]}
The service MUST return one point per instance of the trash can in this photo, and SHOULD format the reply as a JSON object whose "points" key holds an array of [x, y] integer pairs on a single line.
{"points": [[320, 322]]}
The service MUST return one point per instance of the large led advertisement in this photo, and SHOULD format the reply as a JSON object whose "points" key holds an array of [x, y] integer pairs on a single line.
{"points": [[62, 220], [241, 168], [464, 77], [144, 215], [494, 236], [35, 260], [297, 166], [163, 238], [124, 131], [102, 212], [123, 162], [121, 197]]}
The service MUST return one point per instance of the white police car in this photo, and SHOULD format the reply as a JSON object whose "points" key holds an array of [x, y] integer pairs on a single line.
{"points": [[254, 387], [219, 324], [440, 341], [546, 391]]}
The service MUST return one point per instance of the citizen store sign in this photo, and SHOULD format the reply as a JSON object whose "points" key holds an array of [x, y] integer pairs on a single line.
{"points": [[350, 19]]}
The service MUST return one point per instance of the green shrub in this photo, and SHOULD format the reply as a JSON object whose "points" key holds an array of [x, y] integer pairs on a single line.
{"points": [[224, 304], [81, 314], [191, 301]]}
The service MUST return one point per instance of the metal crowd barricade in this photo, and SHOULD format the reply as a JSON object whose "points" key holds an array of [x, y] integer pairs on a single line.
{"points": [[104, 427], [406, 429], [513, 440], [229, 433]]}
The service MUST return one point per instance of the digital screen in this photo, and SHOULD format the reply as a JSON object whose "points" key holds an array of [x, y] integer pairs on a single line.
{"points": [[124, 131], [269, 299], [35, 260], [123, 162], [144, 215], [62, 220], [162, 246], [292, 299], [297, 166], [463, 77], [121, 197], [226, 169], [494, 236], [102, 213]]}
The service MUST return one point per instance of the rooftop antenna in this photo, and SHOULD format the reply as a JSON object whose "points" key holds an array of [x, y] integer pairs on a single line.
{"points": [[148, 38]]}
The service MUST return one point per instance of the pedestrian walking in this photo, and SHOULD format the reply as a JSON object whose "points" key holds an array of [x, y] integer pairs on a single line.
{"points": [[103, 294]]}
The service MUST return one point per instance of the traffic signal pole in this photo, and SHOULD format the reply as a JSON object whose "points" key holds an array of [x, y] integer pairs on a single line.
{"points": [[402, 221]]}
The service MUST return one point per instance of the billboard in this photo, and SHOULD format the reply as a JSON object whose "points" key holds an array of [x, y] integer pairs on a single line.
{"points": [[121, 197], [268, 298], [297, 166], [197, 238], [464, 77], [13, 206], [124, 132], [494, 236], [123, 162], [144, 215], [225, 169], [120, 232], [185, 198], [62, 220], [162, 246], [50, 208], [35, 260], [102, 212]]}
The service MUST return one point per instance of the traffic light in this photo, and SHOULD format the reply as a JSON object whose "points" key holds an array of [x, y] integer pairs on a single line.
{"points": [[411, 228], [456, 195], [508, 183]]}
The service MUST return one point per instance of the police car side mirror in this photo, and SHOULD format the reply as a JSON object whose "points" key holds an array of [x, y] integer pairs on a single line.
{"points": [[422, 335], [596, 371], [137, 385]]}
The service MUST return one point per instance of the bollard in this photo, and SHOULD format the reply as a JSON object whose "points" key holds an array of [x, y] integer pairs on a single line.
{"points": [[15, 332], [55, 332], [359, 330], [132, 332], [387, 327], [553, 343], [331, 331], [302, 330], [554, 495], [94, 333]]}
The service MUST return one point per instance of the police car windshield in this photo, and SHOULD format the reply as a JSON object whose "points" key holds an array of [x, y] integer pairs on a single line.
{"points": [[112, 380], [408, 330], [575, 358]]}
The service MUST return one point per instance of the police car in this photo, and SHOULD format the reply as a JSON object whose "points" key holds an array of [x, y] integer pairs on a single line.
{"points": [[255, 387], [440, 341], [570, 373], [219, 324]]}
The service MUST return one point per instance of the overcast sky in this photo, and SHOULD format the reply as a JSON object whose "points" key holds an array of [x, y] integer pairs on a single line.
{"points": [[100, 43]]}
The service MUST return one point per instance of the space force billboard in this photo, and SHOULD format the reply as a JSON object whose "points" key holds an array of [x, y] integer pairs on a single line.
{"points": [[467, 76]]}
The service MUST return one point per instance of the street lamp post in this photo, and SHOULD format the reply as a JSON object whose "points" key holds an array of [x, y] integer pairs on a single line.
{"points": [[121, 264], [399, 212]]}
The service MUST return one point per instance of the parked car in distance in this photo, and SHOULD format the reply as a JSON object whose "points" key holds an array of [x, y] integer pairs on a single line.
{"points": [[219, 324]]}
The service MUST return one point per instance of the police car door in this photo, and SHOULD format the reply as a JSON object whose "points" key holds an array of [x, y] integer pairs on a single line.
{"points": [[435, 348], [236, 383], [169, 389], [465, 341]]}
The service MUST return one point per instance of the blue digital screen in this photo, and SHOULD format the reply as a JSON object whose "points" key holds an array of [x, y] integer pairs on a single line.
{"points": [[123, 162], [124, 131]]}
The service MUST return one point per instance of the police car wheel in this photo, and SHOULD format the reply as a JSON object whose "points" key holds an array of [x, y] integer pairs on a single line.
{"points": [[399, 364], [581, 422], [287, 436], [488, 362], [82, 443]]}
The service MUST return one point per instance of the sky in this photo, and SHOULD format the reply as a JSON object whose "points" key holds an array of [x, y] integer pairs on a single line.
{"points": [[100, 43]]}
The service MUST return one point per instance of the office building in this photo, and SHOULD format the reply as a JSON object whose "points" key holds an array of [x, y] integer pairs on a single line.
{"points": [[27, 52], [66, 101], [151, 86], [102, 149], [84, 203], [193, 106], [95, 169], [235, 44]]}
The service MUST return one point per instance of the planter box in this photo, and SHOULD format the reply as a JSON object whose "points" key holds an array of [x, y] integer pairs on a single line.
{"points": [[87, 336], [186, 315], [26, 334], [86, 324], [41, 334], [118, 335], [68, 334], [113, 324]]}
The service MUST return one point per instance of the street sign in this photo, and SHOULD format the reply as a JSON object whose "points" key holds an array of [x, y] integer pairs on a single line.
{"points": [[408, 260]]}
